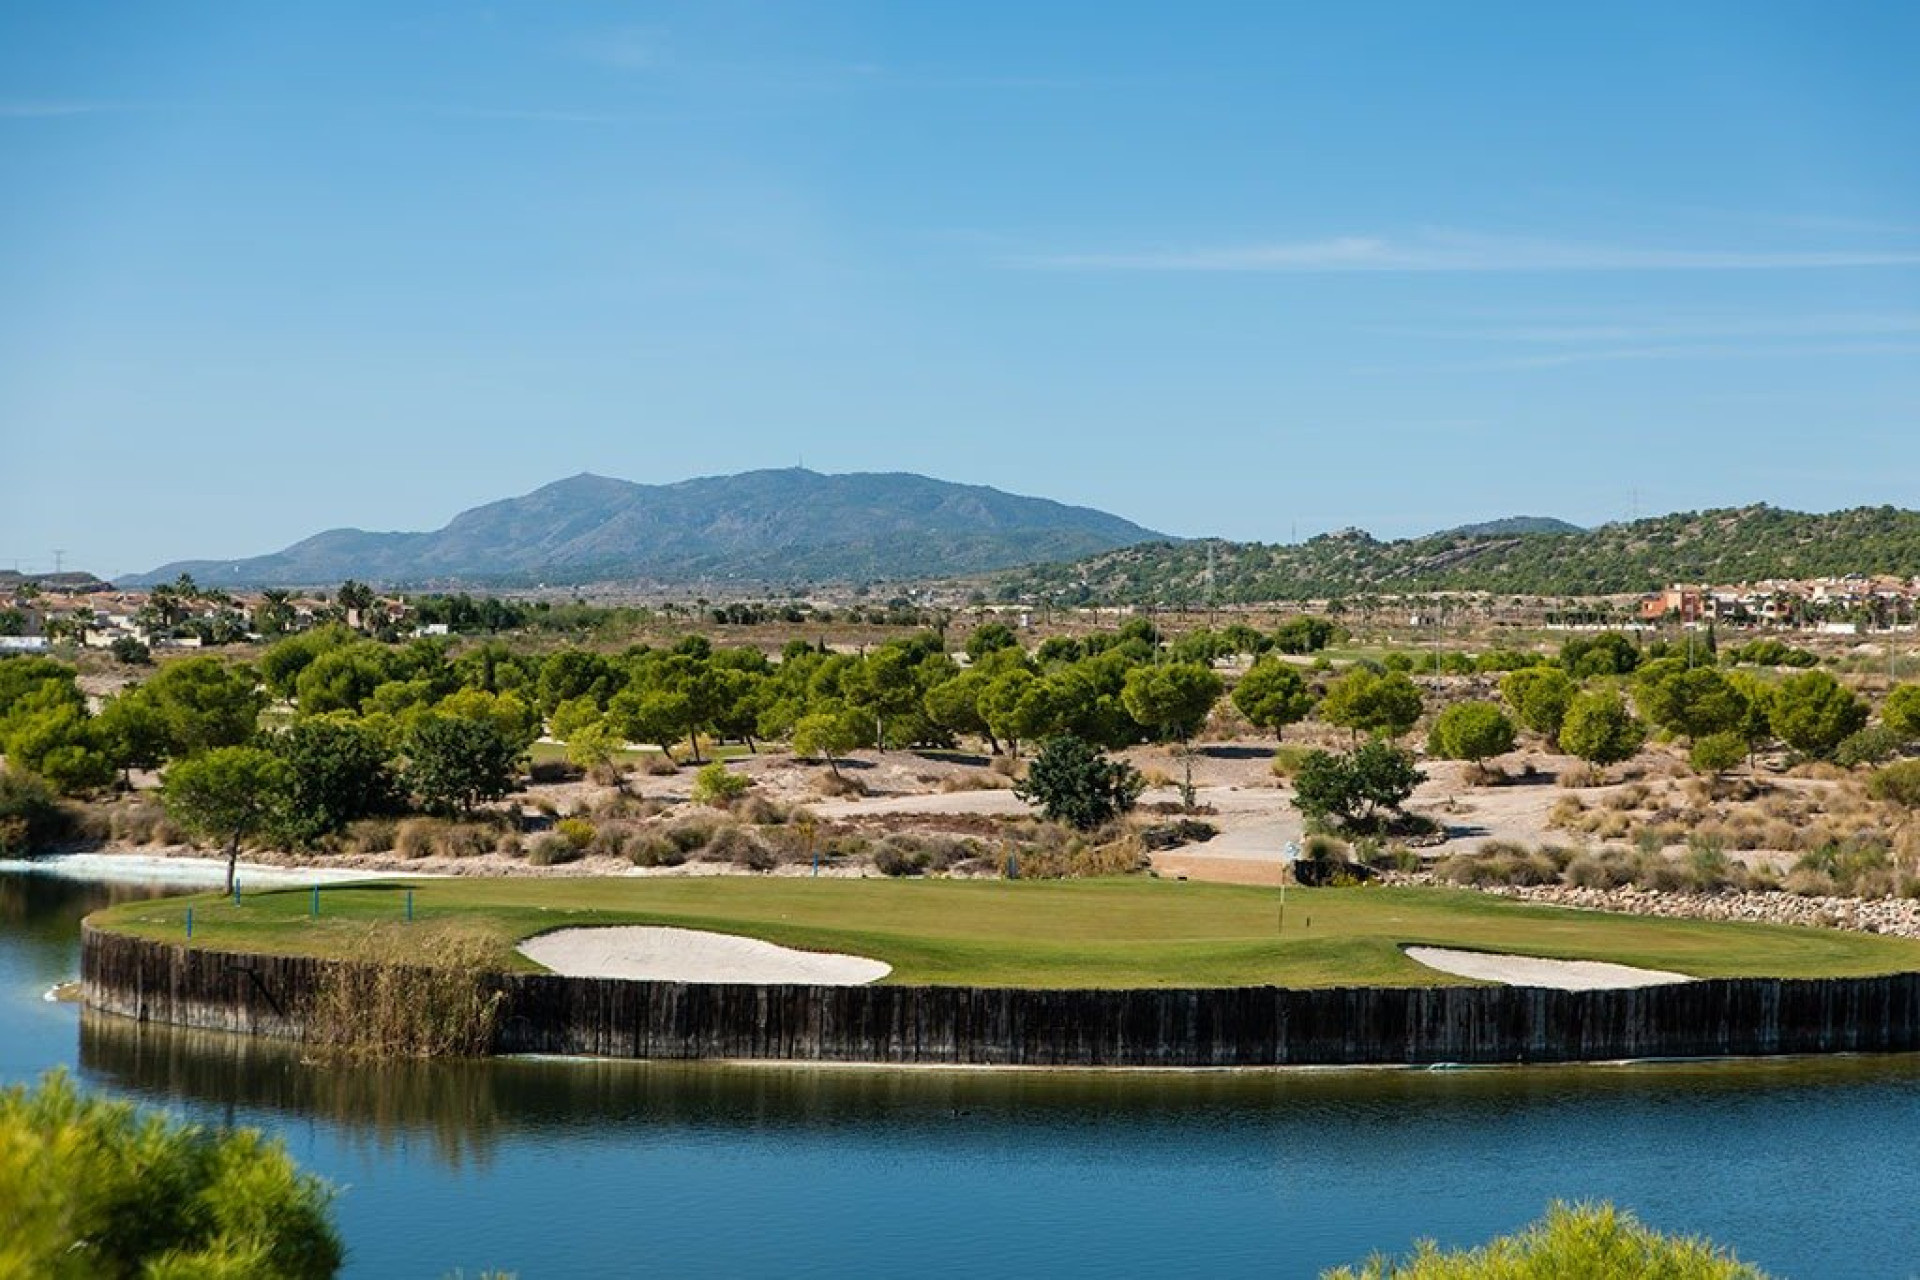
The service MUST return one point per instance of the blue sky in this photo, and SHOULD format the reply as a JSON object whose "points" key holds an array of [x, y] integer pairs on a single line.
{"points": [[1255, 270]]}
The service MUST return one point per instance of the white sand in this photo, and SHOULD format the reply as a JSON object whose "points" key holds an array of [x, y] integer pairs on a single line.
{"points": [[1533, 971], [692, 955]]}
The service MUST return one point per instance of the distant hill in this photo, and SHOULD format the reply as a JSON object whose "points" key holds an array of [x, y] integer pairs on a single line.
{"points": [[1509, 526], [1731, 545], [776, 527]]}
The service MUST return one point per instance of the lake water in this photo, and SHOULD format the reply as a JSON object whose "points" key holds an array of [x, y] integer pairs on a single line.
{"points": [[613, 1169]]}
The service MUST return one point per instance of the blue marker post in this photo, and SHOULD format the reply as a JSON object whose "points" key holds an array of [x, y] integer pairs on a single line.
{"points": [[189, 922], [313, 910], [409, 906]]}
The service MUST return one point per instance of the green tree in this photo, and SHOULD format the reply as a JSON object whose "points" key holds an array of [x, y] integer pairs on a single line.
{"points": [[954, 705], [1367, 701], [1539, 697], [227, 794], [1071, 781], [1901, 711], [1273, 695], [204, 703], [1354, 789], [1471, 731], [1897, 783], [338, 773], [1172, 701], [344, 678], [1606, 654], [1716, 753], [1813, 713], [455, 765], [825, 735], [1691, 702], [92, 1188], [1600, 730], [990, 637]]}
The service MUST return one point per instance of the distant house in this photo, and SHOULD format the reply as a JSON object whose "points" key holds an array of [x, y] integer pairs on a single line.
{"points": [[1686, 604]]}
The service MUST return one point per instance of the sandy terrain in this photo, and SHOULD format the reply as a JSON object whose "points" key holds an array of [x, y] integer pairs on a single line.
{"points": [[1532, 971], [691, 955]]}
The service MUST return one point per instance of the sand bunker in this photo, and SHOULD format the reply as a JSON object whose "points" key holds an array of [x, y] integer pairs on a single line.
{"points": [[1533, 971], [692, 955]]}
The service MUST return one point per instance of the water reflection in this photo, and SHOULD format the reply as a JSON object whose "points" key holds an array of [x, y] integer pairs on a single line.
{"points": [[465, 1110]]}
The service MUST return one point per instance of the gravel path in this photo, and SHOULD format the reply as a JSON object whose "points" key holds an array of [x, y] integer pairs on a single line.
{"points": [[690, 955]]}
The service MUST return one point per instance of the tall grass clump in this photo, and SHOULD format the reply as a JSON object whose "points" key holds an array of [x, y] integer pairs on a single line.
{"points": [[432, 998]]}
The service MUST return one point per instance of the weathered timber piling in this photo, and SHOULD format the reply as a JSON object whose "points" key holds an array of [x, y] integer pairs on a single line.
{"points": [[1006, 1026]]}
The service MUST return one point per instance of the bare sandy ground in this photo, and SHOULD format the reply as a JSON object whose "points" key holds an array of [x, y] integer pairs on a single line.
{"points": [[1533, 971], [692, 955]]}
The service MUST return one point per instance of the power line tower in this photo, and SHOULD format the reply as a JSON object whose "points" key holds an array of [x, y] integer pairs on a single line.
{"points": [[59, 559]]}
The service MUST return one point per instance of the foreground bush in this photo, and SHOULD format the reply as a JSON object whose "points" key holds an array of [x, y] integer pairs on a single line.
{"points": [[90, 1188], [1577, 1241], [31, 817]]}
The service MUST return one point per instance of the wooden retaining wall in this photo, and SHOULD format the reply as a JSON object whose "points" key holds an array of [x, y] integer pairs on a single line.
{"points": [[1173, 1027]]}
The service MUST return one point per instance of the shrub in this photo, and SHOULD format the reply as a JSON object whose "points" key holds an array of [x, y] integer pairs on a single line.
{"points": [[370, 835], [714, 785], [897, 857], [652, 847], [1875, 744], [1897, 784], [659, 765], [1717, 752], [414, 838], [1355, 788], [690, 834], [1073, 782], [577, 832], [553, 849], [96, 1188], [30, 816]]}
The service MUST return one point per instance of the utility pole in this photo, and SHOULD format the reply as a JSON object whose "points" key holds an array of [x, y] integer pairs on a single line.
{"points": [[59, 559]]}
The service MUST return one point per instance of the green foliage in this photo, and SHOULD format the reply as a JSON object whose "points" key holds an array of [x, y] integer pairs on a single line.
{"points": [[228, 794], [1352, 789], [1814, 713], [1072, 782], [1600, 730], [1539, 697], [1897, 784], [338, 774], [1580, 1242], [129, 652], [31, 818], [718, 786], [1606, 654], [1875, 744], [454, 765], [1470, 731], [1693, 703], [1171, 700], [989, 637], [90, 1188], [1305, 634], [204, 703], [1366, 701], [1901, 711], [1717, 752], [1769, 652], [825, 735], [1273, 695]]}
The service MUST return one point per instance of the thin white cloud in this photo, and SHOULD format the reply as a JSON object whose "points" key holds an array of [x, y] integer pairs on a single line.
{"points": [[1460, 253]]}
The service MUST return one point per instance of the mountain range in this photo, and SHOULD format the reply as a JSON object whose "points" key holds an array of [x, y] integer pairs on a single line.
{"points": [[779, 527], [1730, 545]]}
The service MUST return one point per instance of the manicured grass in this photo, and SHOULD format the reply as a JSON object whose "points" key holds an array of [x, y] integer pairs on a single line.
{"points": [[1083, 933]]}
